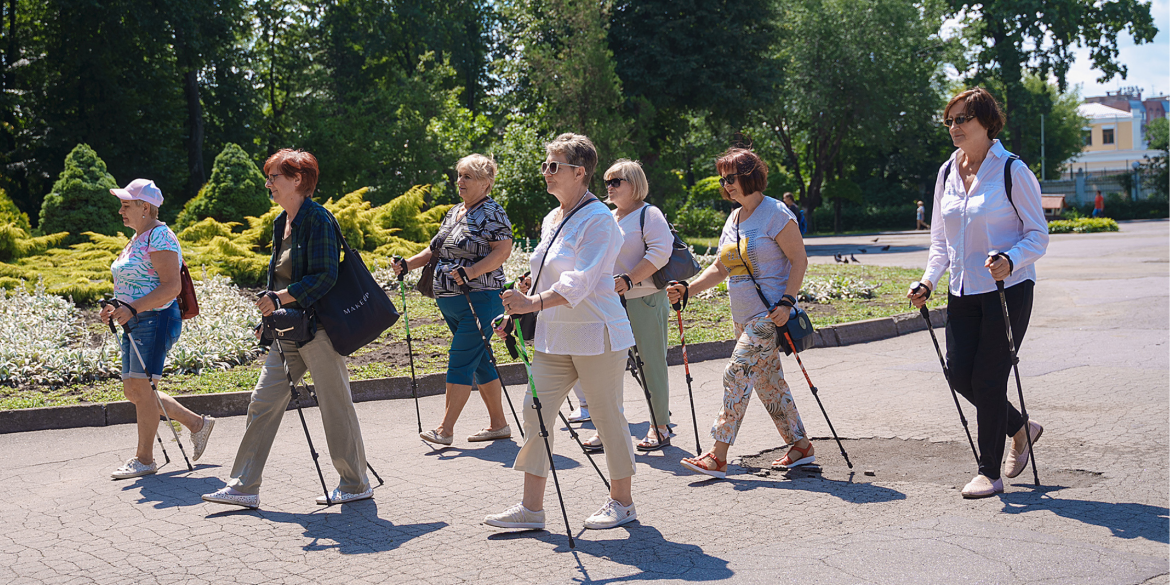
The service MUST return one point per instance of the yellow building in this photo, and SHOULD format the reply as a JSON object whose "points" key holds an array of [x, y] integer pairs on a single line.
{"points": [[1114, 141]]}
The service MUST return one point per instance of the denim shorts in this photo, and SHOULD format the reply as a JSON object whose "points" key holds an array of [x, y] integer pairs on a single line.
{"points": [[154, 333]]}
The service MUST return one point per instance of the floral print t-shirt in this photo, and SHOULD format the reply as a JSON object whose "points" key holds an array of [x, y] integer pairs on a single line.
{"points": [[134, 274]]}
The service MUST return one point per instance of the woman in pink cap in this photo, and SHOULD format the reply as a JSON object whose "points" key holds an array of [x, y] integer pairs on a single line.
{"points": [[146, 281]]}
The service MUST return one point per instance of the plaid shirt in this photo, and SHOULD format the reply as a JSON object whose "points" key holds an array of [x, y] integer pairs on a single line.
{"points": [[315, 256]]}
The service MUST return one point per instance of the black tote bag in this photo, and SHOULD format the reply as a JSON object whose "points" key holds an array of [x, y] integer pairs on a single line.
{"points": [[356, 310]]}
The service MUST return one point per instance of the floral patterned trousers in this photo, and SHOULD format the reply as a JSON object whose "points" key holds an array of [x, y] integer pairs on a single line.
{"points": [[755, 363]]}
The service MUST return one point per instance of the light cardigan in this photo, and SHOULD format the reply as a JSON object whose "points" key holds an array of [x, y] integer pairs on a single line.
{"points": [[580, 269], [965, 226], [653, 243]]}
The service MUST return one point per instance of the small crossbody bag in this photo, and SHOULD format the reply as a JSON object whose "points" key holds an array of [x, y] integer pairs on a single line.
{"points": [[799, 326]]}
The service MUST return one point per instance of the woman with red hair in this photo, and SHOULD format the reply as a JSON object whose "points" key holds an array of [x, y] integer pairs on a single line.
{"points": [[306, 256], [762, 252]]}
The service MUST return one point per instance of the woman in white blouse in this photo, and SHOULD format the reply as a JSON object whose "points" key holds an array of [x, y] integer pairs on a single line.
{"points": [[646, 246], [975, 214], [582, 334]]}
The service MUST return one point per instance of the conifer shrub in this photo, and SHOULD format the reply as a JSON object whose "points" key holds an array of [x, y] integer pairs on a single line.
{"points": [[81, 199], [236, 190]]}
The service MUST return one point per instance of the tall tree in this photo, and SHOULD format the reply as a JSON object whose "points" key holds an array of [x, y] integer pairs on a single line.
{"points": [[1008, 38], [850, 71]]}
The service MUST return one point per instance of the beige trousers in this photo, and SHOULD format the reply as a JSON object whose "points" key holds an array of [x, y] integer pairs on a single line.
{"points": [[601, 381], [270, 399]]}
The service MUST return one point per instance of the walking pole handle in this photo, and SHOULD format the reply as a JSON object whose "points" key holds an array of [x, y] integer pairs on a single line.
{"points": [[110, 322], [503, 323], [997, 254], [685, 295], [399, 260], [466, 286]]}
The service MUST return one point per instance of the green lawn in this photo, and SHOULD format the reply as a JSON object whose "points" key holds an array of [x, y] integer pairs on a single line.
{"points": [[706, 319]]}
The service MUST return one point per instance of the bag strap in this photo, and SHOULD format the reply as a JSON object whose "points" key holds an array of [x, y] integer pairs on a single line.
{"points": [[759, 291], [553, 239], [1007, 179]]}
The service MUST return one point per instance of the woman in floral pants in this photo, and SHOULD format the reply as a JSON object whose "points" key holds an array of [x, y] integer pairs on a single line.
{"points": [[761, 253]]}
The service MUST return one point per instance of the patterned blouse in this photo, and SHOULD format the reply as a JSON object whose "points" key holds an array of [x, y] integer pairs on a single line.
{"points": [[134, 274], [467, 241]]}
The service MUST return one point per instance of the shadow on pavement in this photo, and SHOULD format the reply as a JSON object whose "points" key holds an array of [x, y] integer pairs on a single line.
{"points": [[1124, 520], [849, 491], [356, 530], [644, 549], [174, 489], [502, 451]]}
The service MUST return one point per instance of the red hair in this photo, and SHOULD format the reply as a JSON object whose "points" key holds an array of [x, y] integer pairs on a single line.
{"points": [[297, 163], [752, 170]]}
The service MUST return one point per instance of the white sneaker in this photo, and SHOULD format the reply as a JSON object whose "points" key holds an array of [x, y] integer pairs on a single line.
{"points": [[611, 515], [982, 487], [135, 468], [339, 497], [580, 414], [199, 440], [517, 517], [227, 495]]}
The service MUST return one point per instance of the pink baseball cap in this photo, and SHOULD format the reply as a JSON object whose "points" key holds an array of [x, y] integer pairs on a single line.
{"points": [[141, 190]]}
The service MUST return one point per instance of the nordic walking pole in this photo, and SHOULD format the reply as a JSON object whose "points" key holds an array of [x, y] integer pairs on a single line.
{"points": [[515, 284], [817, 396], [540, 417], [1007, 325], [103, 303], [466, 288], [522, 353], [313, 394], [678, 309], [636, 368], [296, 397], [946, 371], [409, 347], [154, 388]]}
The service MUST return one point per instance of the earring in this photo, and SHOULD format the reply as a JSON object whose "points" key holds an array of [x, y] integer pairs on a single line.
{"points": [[143, 216]]}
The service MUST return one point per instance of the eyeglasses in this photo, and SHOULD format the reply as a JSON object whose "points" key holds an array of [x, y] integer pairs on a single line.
{"points": [[272, 177], [614, 183], [551, 168], [728, 180], [960, 120]]}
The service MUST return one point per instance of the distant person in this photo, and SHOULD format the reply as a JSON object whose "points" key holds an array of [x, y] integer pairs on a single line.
{"points": [[972, 217], [146, 280], [921, 216], [1098, 205], [790, 202]]}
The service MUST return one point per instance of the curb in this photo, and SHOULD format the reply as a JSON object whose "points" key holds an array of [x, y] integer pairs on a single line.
{"points": [[236, 403]]}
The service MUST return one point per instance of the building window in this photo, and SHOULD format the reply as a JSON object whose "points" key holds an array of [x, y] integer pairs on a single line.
{"points": [[1107, 136], [1087, 136]]}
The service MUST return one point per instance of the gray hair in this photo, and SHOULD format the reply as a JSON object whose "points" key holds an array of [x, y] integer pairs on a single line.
{"points": [[478, 166], [577, 149]]}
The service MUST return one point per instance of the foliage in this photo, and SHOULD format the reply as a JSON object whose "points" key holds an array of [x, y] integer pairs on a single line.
{"points": [[81, 199], [701, 222], [1156, 169], [1062, 124], [236, 190], [848, 72], [1084, 225], [519, 188], [838, 286], [11, 214], [1006, 38]]}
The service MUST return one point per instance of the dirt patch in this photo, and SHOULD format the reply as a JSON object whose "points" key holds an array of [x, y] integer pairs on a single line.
{"points": [[892, 460]]}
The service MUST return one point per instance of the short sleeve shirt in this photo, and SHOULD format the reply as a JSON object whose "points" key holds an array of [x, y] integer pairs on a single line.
{"points": [[755, 250], [468, 240], [134, 273]]}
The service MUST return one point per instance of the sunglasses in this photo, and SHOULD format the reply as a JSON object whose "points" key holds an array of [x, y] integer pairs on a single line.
{"points": [[960, 120], [614, 183], [551, 168], [728, 180]]}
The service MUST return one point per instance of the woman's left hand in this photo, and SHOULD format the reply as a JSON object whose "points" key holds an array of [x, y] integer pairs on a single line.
{"points": [[459, 280], [999, 266], [516, 303], [122, 314], [779, 315], [619, 285]]}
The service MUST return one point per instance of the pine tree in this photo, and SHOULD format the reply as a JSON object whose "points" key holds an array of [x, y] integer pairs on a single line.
{"points": [[81, 199], [236, 190]]}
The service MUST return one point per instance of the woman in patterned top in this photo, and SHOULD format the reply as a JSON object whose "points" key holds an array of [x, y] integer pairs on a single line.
{"points": [[146, 280], [477, 237]]}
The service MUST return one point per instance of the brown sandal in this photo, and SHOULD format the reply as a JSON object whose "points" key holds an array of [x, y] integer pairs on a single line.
{"points": [[787, 462], [707, 464]]}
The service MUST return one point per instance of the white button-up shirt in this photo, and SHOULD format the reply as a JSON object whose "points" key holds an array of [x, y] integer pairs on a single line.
{"points": [[965, 226], [580, 268]]}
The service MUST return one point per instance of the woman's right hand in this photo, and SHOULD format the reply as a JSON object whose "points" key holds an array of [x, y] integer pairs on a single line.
{"points": [[675, 293], [919, 293], [265, 305], [524, 284], [400, 267], [500, 326], [104, 315]]}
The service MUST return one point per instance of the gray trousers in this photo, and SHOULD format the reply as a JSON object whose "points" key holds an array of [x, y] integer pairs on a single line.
{"points": [[270, 399]]}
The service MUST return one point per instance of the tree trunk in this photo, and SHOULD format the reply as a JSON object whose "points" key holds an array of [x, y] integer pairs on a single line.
{"points": [[195, 169], [837, 215]]}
